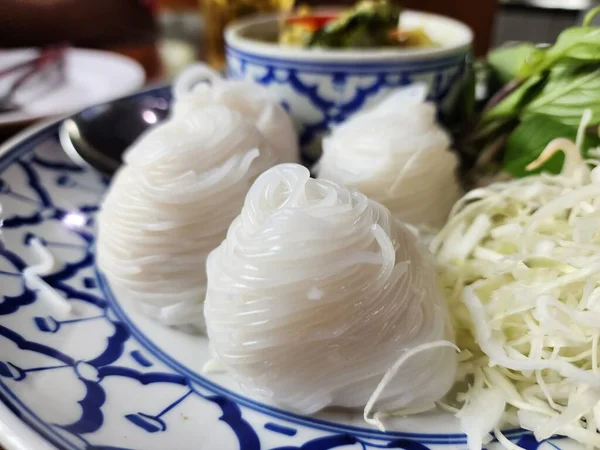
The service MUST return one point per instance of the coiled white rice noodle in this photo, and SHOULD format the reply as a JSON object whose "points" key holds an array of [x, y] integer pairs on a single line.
{"points": [[317, 292], [396, 154], [199, 85], [171, 204]]}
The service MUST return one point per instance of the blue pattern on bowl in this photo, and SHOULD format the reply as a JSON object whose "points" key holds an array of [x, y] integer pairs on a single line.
{"points": [[321, 93]]}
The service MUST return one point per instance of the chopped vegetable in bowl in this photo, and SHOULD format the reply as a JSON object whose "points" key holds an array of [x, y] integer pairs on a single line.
{"points": [[370, 24]]}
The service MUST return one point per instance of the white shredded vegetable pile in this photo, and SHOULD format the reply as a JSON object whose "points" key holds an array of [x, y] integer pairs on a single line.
{"points": [[520, 264]]}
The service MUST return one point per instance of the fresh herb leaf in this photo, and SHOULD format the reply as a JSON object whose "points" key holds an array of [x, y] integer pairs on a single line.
{"points": [[530, 138], [512, 105], [548, 91], [506, 62], [580, 44], [567, 94]]}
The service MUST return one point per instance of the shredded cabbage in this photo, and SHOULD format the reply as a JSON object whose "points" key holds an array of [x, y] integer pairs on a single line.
{"points": [[520, 265]]}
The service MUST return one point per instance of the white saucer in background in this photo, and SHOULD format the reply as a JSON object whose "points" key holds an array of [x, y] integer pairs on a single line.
{"points": [[92, 76]]}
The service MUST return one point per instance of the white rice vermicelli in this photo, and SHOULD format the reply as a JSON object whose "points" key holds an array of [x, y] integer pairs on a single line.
{"points": [[397, 154], [200, 85], [171, 204], [317, 292]]}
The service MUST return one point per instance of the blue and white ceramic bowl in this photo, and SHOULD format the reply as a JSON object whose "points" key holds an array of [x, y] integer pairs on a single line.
{"points": [[323, 87]]}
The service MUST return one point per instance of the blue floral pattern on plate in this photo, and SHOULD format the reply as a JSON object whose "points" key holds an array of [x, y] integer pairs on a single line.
{"points": [[93, 379]]}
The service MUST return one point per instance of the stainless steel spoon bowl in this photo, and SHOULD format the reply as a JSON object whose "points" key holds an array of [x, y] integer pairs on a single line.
{"points": [[99, 135]]}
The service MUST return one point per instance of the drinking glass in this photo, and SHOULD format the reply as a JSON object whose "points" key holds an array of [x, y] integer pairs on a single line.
{"points": [[218, 13]]}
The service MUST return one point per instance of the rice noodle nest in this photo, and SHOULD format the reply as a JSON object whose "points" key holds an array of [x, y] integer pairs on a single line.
{"points": [[317, 291], [200, 85], [397, 154], [171, 204]]}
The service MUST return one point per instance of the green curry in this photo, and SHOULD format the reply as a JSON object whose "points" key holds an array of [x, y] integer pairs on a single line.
{"points": [[369, 24]]}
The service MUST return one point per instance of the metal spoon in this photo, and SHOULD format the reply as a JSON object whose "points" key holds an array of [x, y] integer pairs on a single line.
{"points": [[98, 136]]}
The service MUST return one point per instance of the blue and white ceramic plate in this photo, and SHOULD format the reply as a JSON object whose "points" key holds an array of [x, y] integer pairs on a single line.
{"points": [[84, 371]]}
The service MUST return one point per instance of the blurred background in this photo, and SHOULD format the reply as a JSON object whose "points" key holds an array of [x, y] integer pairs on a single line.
{"points": [[166, 35], [182, 24]]}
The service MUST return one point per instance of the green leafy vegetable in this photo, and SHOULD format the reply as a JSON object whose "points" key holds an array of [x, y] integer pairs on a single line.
{"points": [[580, 44], [565, 96], [513, 104], [530, 138], [506, 61], [369, 24], [546, 93]]}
